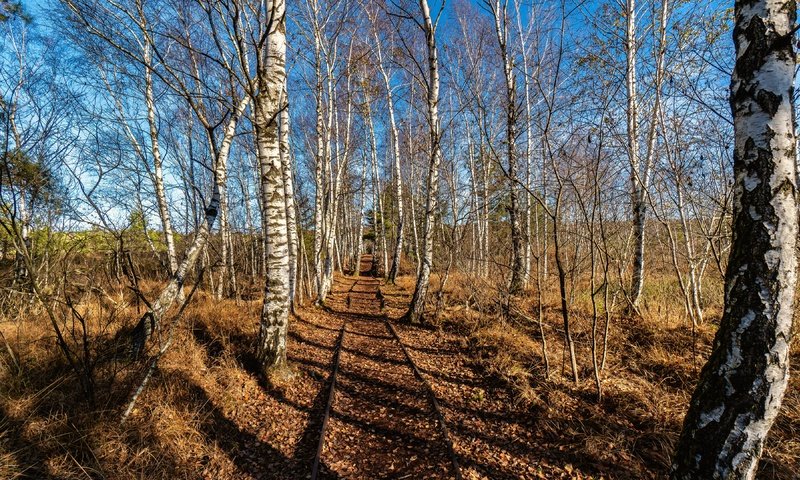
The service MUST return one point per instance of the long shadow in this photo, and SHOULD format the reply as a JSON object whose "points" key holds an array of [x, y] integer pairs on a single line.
{"points": [[385, 399], [301, 319], [294, 335], [213, 346], [245, 450], [355, 377], [306, 447], [374, 358], [314, 430], [395, 434], [27, 454], [369, 335], [355, 316]]}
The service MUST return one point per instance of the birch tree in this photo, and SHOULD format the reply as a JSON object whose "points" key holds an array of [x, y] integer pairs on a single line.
{"points": [[429, 26], [742, 385], [499, 11], [395, 150], [640, 168], [271, 74], [108, 23], [288, 185]]}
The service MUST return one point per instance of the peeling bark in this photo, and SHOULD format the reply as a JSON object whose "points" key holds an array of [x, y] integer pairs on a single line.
{"points": [[268, 104], [742, 385]]}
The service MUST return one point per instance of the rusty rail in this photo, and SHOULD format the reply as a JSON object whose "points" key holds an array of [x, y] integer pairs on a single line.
{"points": [[329, 404], [432, 396]]}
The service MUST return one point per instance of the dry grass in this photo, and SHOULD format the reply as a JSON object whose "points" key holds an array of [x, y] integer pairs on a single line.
{"points": [[48, 430], [652, 366]]}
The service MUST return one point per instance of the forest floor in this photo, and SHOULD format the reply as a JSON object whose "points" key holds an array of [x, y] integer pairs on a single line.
{"points": [[208, 412]]}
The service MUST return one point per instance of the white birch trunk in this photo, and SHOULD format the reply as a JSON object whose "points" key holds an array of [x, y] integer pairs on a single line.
{"points": [[517, 255], [288, 183], [360, 239], [158, 169], [416, 310], [637, 201], [398, 177], [741, 387], [271, 352]]}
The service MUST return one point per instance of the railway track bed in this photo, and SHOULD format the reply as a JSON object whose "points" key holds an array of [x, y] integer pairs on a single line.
{"points": [[381, 419]]}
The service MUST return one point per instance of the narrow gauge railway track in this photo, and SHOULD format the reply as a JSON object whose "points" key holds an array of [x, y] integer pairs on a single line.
{"points": [[334, 384]]}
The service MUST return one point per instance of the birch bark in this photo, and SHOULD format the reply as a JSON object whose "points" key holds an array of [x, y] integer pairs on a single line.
{"points": [[268, 105], [517, 256], [158, 169], [398, 178], [742, 385], [432, 183], [288, 185]]}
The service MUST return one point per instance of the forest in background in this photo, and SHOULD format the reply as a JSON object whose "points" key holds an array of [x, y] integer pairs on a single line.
{"points": [[547, 185]]}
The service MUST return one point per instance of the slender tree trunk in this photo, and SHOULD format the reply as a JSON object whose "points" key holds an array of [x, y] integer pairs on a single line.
{"points": [[319, 167], [637, 203], [517, 254], [248, 215], [377, 204], [342, 155], [640, 171], [158, 170], [569, 343], [398, 177], [21, 272], [423, 278], [303, 278], [224, 231], [528, 145], [288, 185], [268, 104], [151, 319], [742, 385], [485, 205], [413, 208], [332, 149], [360, 238], [476, 238]]}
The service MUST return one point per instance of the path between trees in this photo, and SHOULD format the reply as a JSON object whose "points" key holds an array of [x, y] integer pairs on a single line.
{"points": [[407, 400], [384, 421], [381, 420]]}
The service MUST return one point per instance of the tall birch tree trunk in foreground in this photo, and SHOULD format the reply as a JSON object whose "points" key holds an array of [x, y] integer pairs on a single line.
{"points": [[268, 103], [424, 275], [742, 385]]}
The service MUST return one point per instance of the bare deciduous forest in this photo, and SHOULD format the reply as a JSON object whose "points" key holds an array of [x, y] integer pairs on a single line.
{"points": [[408, 239]]}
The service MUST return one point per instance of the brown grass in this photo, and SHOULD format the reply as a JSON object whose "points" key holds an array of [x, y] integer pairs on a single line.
{"points": [[652, 368]]}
